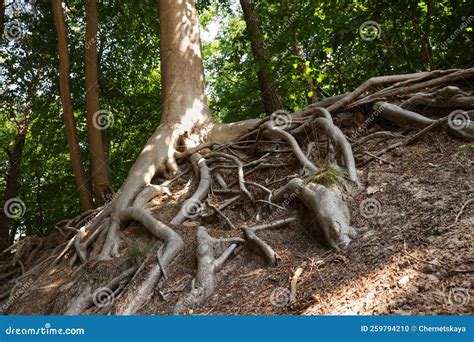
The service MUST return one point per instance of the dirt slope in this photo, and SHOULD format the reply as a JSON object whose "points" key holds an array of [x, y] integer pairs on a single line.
{"points": [[411, 256]]}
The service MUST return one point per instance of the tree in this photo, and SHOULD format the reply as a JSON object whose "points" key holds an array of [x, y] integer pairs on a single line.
{"points": [[11, 189], [2, 15], [185, 118], [69, 120], [101, 186], [271, 97]]}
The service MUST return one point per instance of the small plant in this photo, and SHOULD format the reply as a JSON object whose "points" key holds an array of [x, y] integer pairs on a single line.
{"points": [[328, 175], [137, 252], [462, 150]]}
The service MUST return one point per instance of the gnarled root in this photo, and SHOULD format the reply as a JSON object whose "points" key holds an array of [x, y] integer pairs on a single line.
{"points": [[240, 174], [394, 113], [204, 284], [156, 158], [172, 245], [343, 149], [103, 296], [331, 215], [192, 205], [273, 130], [339, 145], [260, 246], [447, 97]]}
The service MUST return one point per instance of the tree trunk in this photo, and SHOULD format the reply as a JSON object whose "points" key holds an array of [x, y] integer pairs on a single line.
{"points": [[13, 174], [101, 186], [271, 97], [2, 15], [69, 120], [185, 118]]}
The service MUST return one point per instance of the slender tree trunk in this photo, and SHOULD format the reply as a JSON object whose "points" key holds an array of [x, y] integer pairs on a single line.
{"points": [[2, 16], [99, 170], [69, 120], [13, 174], [272, 100], [106, 146]]}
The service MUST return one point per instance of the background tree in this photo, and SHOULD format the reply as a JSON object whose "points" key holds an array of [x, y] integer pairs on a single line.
{"points": [[82, 182], [12, 206], [272, 100], [99, 171]]}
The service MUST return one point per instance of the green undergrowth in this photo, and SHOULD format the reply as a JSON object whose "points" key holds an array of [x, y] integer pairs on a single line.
{"points": [[328, 175]]}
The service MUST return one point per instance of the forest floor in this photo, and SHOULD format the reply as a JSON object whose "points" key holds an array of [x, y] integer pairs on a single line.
{"points": [[408, 258]]}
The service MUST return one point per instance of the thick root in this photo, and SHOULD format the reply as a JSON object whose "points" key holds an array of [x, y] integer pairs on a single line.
{"points": [[299, 154], [405, 117], [172, 245], [447, 97], [331, 216], [261, 246], [204, 284], [87, 298], [192, 205]]}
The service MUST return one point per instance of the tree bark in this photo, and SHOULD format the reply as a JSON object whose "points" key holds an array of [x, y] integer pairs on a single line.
{"points": [[2, 15], [185, 119], [101, 186], [182, 69], [13, 174], [69, 120], [271, 97]]}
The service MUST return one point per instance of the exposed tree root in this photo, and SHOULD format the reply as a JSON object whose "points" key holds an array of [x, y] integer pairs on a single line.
{"points": [[227, 160], [204, 284], [449, 76], [304, 161], [261, 246], [394, 113], [447, 97], [172, 245], [192, 206], [240, 174], [330, 215], [101, 296]]}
